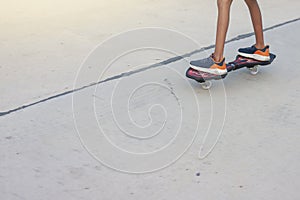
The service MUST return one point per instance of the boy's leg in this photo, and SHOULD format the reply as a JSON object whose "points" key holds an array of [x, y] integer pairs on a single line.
{"points": [[222, 27], [258, 51], [257, 22], [215, 64]]}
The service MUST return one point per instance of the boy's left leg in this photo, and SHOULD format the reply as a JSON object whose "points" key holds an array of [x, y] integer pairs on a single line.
{"points": [[215, 64], [222, 28]]}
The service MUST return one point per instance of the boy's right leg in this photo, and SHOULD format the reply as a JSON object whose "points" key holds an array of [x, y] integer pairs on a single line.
{"points": [[215, 64], [256, 19], [259, 51]]}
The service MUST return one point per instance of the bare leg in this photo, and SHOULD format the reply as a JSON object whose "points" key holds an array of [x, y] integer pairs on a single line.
{"points": [[257, 22], [222, 27]]}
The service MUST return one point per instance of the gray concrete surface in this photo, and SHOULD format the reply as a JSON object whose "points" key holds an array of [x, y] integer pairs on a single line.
{"points": [[46, 41], [58, 149]]}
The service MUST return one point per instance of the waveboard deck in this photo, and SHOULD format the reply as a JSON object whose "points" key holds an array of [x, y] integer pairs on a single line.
{"points": [[238, 63]]}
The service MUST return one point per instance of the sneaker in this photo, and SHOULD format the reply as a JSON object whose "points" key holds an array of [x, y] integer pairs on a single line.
{"points": [[210, 66], [257, 54]]}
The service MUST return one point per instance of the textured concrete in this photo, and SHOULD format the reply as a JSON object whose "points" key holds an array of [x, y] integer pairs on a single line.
{"points": [[59, 149], [44, 42]]}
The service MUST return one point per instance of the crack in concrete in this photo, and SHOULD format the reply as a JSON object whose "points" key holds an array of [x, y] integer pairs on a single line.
{"points": [[129, 73]]}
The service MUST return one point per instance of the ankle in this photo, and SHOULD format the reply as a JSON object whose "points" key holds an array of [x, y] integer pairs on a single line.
{"points": [[217, 58], [260, 46]]}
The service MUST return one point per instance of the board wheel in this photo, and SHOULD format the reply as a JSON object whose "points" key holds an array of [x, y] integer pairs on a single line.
{"points": [[206, 85], [254, 70]]}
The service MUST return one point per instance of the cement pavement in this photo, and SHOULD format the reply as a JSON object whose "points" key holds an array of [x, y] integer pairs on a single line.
{"points": [[58, 149]]}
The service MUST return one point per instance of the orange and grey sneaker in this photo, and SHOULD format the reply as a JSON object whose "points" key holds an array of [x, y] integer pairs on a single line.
{"points": [[254, 53], [208, 65]]}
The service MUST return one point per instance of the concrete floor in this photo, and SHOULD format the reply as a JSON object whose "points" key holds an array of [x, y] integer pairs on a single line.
{"points": [[149, 133]]}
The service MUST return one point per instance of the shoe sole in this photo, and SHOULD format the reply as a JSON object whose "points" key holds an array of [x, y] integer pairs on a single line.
{"points": [[255, 57], [219, 72]]}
